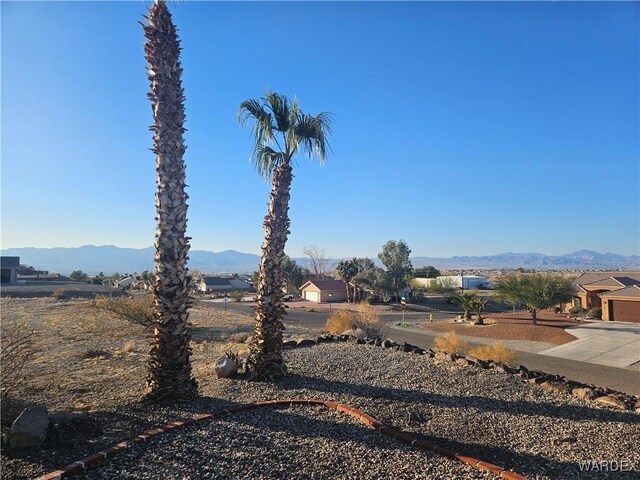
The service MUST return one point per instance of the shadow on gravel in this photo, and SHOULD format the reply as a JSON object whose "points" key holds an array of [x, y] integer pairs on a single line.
{"points": [[487, 404], [109, 428]]}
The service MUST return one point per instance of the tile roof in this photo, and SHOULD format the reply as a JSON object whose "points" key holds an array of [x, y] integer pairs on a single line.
{"points": [[633, 291], [590, 277], [327, 284]]}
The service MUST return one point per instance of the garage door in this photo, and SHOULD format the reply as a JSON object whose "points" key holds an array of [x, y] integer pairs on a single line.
{"points": [[312, 296], [625, 311]]}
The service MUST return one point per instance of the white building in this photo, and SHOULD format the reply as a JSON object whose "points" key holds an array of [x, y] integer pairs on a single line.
{"points": [[467, 282]]}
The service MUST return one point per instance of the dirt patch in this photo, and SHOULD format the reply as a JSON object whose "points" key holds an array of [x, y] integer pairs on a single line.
{"points": [[518, 326]]}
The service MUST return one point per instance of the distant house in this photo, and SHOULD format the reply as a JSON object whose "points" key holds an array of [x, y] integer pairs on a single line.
{"points": [[324, 291], [468, 282], [8, 267], [125, 282], [223, 284], [617, 293]]}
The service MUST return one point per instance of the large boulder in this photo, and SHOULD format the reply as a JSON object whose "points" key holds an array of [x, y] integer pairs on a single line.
{"points": [[225, 367], [30, 428], [612, 401]]}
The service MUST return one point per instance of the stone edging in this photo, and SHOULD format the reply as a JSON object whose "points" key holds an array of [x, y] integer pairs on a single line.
{"points": [[396, 434], [546, 381]]}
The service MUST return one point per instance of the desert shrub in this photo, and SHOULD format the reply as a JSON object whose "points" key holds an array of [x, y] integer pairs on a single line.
{"points": [[577, 310], [496, 352], [450, 343], [368, 300], [19, 347], [237, 296], [595, 312], [59, 293], [339, 321], [138, 309], [366, 320]]}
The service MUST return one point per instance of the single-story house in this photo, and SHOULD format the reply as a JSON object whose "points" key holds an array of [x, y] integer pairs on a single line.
{"points": [[125, 282], [8, 267], [324, 291], [617, 293], [223, 284]]}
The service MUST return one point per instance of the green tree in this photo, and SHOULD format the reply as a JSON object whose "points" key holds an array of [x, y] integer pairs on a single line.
{"points": [[464, 300], [426, 272], [536, 291], [375, 280], [98, 279], [395, 257], [346, 270], [79, 276], [292, 273], [169, 366], [478, 305], [280, 130]]}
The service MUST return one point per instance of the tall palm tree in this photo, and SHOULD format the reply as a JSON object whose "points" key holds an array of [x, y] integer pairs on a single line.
{"points": [[347, 269], [169, 366], [280, 129]]}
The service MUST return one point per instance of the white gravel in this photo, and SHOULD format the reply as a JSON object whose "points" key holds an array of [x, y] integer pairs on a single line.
{"points": [[495, 417]]}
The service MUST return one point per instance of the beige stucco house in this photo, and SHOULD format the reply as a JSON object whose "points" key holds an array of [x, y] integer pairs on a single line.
{"points": [[617, 293], [324, 291]]}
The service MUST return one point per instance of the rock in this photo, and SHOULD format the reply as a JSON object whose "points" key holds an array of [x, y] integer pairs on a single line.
{"points": [[523, 369], [30, 428], [501, 368], [611, 401], [225, 367], [61, 417], [355, 332], [535, 380], [405, 347], [388, 343], [440, 355], [289, 344], [451, 357], [325, 338], [463, 362], [583, 393], [306, 342], [419, 351], [360, 341], [556, 387]]}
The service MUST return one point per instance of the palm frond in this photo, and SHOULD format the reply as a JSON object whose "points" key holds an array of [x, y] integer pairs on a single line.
{"points": [[313, 132], [263, 125], [266, 160], [280, 108]]}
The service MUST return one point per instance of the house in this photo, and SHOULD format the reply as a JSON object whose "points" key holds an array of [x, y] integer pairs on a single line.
{"points": [[324, 291], [8, 267], [223, 284], [125, 282], [617, 293], [468, 282]]}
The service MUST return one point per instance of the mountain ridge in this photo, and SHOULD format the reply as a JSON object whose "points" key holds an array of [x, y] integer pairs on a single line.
{"points": [[109, 259]]}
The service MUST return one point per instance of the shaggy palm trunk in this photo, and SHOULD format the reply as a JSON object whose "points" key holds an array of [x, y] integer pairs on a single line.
{"points": [[169, 366], [265, 360]]}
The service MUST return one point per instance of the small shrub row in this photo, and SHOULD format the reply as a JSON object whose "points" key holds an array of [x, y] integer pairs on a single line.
{"points": [[366, 320]]}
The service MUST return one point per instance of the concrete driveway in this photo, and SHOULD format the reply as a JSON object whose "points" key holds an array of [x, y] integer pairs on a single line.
{"points": [[616, 344]]}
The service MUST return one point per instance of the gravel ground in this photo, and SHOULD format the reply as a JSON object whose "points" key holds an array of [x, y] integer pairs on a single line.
{"points": [[494, 417]]}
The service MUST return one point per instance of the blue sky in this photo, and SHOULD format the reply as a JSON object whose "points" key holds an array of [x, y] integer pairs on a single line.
{"points": [[462, 128]]}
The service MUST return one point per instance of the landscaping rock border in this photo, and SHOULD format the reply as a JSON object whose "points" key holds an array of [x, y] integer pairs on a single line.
{"points": [[395, 433]]}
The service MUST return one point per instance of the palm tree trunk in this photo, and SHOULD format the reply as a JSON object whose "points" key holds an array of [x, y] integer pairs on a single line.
{"points": [[169, 366], [265, 360]]}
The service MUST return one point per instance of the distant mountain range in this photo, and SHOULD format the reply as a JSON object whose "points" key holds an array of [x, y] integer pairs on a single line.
{"points": [[110, 259]]}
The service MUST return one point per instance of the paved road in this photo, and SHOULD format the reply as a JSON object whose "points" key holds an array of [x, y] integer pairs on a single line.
{"points": [[621, 379]]}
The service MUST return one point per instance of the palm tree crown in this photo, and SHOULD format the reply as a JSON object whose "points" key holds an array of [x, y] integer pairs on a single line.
{"points": [[279, 122]]}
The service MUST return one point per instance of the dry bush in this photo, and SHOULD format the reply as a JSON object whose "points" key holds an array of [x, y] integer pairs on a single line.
{"points": [[496, 352], [138, 309], [450, 343], [19, 347], [59, 293], [366, 320], [339, 321]]}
